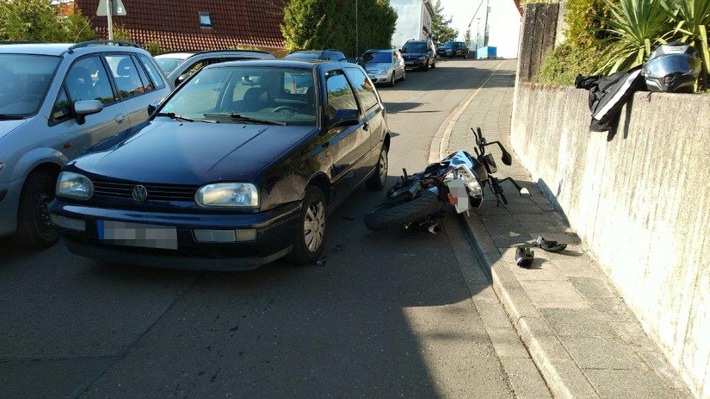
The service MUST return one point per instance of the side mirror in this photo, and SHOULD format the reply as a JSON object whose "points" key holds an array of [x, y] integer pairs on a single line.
{"points": [[507, 158], [182, 78], [86, 107], [152, 108], [343, 117]]}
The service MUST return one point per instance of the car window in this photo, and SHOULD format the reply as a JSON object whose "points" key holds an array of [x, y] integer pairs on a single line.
{"points": [[24, 80], [378, 57], [363, 87], [340, 95], [415, 47], [144, 77], [125, 75], [87, 80], [61, 109], [152, 72], [229, 94]]}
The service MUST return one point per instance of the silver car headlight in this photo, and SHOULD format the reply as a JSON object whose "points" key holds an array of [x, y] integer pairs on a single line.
{"points": [[74, 185], [384, 71], [228, 195]]}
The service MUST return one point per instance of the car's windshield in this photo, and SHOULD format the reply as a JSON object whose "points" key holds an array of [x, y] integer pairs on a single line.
{"points": [[414, 48], [247, 94], [24, 80], [448, 45], [168, 64], [378, 57]]}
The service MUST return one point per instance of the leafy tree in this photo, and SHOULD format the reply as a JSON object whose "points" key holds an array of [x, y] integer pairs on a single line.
{"points": [[121, 33], [37, 20], [441, 31], [319, 24]]}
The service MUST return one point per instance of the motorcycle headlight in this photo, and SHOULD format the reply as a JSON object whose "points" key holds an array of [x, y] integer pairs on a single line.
{"points": [[74, 185], [474, 187], [228, 195]]}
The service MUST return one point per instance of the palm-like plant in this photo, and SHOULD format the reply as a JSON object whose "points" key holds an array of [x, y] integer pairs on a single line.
{"points": [[636, 27], [692, 19]]}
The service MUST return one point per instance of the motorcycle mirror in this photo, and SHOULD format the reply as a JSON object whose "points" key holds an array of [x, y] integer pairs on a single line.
{"points": [[507, 158]]}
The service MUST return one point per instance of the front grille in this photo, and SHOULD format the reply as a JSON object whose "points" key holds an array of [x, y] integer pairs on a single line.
{"points": [[157, 192]]}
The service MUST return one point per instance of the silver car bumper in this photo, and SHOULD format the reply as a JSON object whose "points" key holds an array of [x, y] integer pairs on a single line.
{"points": [[9, 199]]}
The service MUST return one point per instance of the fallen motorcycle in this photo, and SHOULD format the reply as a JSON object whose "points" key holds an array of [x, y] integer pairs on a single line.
{"points": [[419, 199]]}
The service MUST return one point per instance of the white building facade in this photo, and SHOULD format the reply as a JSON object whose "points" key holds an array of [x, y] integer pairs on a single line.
{"points": [[413, 20]]}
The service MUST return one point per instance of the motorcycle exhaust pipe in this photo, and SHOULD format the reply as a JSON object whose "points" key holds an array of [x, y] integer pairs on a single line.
{"points": [[430, 226]]}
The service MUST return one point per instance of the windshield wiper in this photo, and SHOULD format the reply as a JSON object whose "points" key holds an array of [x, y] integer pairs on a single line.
{"points": [[6, 117], [242, 118], [173, 115]]}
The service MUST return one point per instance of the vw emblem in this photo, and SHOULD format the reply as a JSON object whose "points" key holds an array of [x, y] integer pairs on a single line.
{"points": [[140, 193]]}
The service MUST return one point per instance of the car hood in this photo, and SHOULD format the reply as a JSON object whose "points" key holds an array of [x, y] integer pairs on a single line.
{"points": [[377, 65], [193, 152], [6, 127], [415, 54]]}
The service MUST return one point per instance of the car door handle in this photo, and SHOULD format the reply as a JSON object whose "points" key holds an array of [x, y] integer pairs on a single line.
{"points": [[366, 126], [119, 118]]}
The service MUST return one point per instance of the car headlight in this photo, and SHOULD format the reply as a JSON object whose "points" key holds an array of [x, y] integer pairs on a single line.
{"points": [[384, 72], [422, 58], [228, 195], [74, 185]]}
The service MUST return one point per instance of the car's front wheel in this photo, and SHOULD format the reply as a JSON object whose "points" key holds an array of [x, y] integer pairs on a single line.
{"points": [[391, 82], [310, 234], [378, 180], [34, 225]]}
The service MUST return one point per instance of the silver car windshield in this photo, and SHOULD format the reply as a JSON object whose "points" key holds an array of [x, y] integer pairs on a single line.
{"points": [[24, 80], [240, 94], [168, 64]]}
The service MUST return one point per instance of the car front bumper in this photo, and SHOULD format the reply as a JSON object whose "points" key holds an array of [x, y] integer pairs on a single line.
{"points": [[414, 64], [273, 230], [9, 201], [379, 78]]}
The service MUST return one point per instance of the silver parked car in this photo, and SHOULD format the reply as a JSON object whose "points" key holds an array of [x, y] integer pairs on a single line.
{"points": [[383, 66], [180, 66], [56, 101]]}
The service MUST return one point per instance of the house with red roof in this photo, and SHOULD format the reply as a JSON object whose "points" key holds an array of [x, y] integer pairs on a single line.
{"points": [[191, 25]]}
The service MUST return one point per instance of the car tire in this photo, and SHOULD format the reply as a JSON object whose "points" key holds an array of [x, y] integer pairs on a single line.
{"points": [[404, 76], [391, 82], [377, 181], [433, 64], [425, 67], [312, 224], [34, 225]]}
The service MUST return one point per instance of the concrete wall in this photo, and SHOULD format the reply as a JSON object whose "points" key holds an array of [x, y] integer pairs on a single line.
{"points": [[640, 202], [537, 38]]}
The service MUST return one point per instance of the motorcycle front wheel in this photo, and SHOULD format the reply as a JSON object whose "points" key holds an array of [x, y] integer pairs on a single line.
{"points": [[390, 215]]}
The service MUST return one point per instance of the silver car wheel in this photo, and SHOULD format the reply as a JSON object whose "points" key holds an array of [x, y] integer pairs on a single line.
{"points": [[314, 226]]}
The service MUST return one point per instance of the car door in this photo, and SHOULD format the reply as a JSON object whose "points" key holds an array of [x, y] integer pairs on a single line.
{"points": [[373, 116], [86, 79], [398, 63], [347, 146], [136, 90]]}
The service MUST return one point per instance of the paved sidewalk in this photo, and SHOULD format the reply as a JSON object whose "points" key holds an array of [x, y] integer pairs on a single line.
{"points": [[580, 334]]}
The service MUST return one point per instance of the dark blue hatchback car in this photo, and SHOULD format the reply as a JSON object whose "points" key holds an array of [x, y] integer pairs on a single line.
{"points": [[238, 167]]}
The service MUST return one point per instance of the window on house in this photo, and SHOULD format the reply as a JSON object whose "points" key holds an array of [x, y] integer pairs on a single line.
{"points": [[205, 20]]}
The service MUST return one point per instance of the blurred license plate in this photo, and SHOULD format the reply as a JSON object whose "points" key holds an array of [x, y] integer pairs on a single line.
{"points": [[137, 234]]}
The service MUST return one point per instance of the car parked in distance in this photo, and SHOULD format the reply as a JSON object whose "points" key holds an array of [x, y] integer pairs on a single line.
{"points": [[234, 170], [383, 66], [179, 66], [56, 101], [327, 54], [419, 54], [452, 49]]}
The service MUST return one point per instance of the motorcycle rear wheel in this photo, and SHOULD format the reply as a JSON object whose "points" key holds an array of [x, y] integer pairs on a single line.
{"points": [[390, 215]]}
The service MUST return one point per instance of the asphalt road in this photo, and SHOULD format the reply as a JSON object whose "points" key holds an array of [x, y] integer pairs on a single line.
{"points": [[388, 315]]}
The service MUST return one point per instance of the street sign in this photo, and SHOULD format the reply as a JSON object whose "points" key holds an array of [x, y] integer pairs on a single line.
{"points": [[117, 8]]}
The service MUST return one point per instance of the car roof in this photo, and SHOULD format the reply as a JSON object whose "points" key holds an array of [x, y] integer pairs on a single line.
{"points": [[377, 50], [58, 49], [303, 64], [181, 56], [36, 48], [246, 53]]}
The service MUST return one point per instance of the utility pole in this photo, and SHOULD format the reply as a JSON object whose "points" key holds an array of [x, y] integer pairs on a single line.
{"points": [[485, 25], [357, 45], [109, 11]]}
